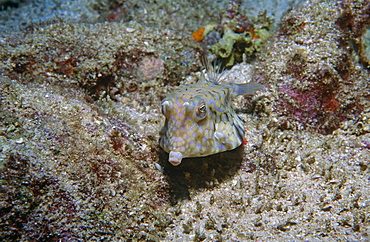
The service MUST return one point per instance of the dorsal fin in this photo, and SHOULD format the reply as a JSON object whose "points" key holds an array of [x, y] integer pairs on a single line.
{"points": [[215, 72]]}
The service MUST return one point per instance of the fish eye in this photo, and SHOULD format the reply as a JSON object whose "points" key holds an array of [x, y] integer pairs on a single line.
{"points": [[201, 110]]}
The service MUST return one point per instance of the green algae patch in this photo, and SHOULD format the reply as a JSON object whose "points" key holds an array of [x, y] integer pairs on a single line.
{"points": [[241, 37], [232, 46]]}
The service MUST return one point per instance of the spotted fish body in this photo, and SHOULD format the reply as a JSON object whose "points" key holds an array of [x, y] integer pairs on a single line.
{"points": [[200, 119]]}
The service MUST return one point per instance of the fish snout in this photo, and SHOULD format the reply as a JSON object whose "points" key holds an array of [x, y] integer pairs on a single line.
{"points": [[175, 158]]}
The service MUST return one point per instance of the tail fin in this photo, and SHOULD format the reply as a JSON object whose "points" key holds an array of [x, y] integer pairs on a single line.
{"points": [[246, 88]]}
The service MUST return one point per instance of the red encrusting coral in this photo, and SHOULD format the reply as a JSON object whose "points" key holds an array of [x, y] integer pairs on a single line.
{"points": [[67, 67], [330, 104]]}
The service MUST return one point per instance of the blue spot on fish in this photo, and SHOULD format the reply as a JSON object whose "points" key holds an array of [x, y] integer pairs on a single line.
{"points": [[218, 109]]}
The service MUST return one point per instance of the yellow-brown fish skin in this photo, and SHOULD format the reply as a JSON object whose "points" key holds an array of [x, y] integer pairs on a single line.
{"points": [[200, 119]]}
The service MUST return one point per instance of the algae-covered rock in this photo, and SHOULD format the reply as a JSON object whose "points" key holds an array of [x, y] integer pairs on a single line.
{"points": [[232, 46], [228, 42], [241, 37]]}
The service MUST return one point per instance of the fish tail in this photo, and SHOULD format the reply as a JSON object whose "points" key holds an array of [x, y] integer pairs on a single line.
{"points": [[246, 88]]}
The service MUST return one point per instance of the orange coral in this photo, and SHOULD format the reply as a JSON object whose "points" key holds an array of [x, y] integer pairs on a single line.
{"points": [[198, 35], [250, 30]]}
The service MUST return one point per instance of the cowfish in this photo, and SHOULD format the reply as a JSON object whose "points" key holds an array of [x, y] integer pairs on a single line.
{"points": [[200, 119]]}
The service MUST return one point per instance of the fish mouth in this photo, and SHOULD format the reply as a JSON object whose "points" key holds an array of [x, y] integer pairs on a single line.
{"points": [[175, 158]]}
